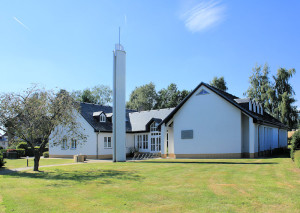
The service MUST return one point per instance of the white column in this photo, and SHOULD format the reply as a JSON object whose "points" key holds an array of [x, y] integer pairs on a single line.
{"points": [[251, 137], [163, 141], [119, 129]]}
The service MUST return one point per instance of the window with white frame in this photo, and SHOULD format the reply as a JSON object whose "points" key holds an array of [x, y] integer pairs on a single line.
{"points": [[153, 129], [145, 141], [107, 142], [142, 141], [102, 118], [64, 144], [74, 144]]}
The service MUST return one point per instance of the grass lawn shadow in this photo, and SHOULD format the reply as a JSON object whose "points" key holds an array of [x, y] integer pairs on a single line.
{"points": [[106, 176], [206, 162]]}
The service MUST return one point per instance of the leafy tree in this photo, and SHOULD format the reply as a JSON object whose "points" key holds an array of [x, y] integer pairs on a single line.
{"points": [[99, 94], [34, 115], [220, 83], [260, 88], [143, 97], [277, 97], [284, 98], [102, 94], [170, 97]]}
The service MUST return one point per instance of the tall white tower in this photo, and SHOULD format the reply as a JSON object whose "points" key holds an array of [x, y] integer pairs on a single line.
{"points": [[119, 125]]}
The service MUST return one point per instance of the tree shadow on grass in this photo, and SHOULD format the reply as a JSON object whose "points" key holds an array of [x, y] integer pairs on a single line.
{"points": [[206, 162], [99, 175]]}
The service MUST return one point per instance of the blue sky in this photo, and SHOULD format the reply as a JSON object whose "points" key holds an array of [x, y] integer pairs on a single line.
{"points": [[69, 44]]}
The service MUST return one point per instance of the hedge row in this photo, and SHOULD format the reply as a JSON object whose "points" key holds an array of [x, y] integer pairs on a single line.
{"points": [[297, 158], [295, 143], [2, 162]]}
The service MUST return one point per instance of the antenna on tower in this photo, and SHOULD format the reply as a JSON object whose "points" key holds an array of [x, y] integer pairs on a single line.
{"points": [[119, 36]]}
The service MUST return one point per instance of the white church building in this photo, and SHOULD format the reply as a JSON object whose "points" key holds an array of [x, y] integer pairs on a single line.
{"points": [[208, 123]]}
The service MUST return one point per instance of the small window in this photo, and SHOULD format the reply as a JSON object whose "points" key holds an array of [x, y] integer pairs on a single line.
{"points": [[102, 118], [153, 127], [203, 92], [107, 142], [74, 144], [64, 144]]}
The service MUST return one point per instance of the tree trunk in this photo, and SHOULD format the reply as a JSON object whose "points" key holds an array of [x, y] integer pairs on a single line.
{"points": [[36, 160]]}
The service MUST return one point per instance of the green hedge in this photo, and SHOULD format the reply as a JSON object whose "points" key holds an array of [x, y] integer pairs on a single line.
{"points": [[22, 145], [2, 162], [297, 158], [46, 154], [295, 143], [21, 152]]}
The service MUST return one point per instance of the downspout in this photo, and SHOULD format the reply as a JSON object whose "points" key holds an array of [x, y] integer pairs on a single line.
{"points": [[97, 154]]}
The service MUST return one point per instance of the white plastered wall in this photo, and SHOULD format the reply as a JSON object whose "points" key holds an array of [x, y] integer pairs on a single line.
{"points": [[85, 148], [216, 125]]}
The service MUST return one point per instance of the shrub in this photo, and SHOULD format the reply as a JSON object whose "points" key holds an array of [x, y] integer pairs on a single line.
{"points": [[29, 152], [3, 152], [297, 158], [46, 154], [1, 147], [21, 152], [295, 143], [22, 145], [2, 162]]}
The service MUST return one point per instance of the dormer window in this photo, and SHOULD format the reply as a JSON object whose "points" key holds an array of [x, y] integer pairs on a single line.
{"points": [[258, 108], [250, 105], [102, 118], [254, 107], [261, 110]]}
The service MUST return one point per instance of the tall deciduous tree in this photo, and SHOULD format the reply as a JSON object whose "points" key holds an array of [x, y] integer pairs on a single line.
{"points": [[284, 97], [34, 115], [143, 97], [220, 83], [260, 88], [170, 97], [99, 94], [277, 97]]}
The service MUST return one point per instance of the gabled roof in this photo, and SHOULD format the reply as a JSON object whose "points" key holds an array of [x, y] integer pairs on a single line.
{"points": [[237, 102], [139, 120], [135, 121]]}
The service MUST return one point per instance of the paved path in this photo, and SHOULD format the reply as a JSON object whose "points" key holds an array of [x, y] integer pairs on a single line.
{"points": [[7, 171]]}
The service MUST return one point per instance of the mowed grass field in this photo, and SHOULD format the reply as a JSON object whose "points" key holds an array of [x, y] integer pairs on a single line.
{"points": [[21, 163], [235, 185]]}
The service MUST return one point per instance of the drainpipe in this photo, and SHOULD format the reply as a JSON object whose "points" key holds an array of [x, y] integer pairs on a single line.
{"points": [[97, 144]]}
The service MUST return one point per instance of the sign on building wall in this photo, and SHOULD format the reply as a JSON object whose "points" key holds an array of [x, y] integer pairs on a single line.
{"points": [[187, 134]]}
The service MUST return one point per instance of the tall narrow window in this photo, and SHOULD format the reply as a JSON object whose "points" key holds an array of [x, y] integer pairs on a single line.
{"points": [[152, 144], [74, 144], [64, 144]]}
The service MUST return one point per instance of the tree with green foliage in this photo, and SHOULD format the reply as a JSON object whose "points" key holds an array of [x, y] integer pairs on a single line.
{"points": [[170, 97], [276, 97], [295, 143], [99, 94], [2, 161], [260, 88], [34, 115], [220, 83], [142, 98]]}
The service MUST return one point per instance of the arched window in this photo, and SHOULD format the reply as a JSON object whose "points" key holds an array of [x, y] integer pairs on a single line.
{"points": [[102, 118], [254, 106], [258, 107], [250, 105]]}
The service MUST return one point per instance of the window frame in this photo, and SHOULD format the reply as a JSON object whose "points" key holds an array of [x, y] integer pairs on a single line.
{"points": [[102, 118], [64, 144], [73, 142], [107, 142]]}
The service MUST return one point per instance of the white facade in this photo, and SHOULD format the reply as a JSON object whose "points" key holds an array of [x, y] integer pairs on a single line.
{"points": [[205, 125]]}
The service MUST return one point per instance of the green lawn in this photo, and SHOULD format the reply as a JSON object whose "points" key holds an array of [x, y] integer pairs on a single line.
{"points": [[20, 163], [242, 185]]}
